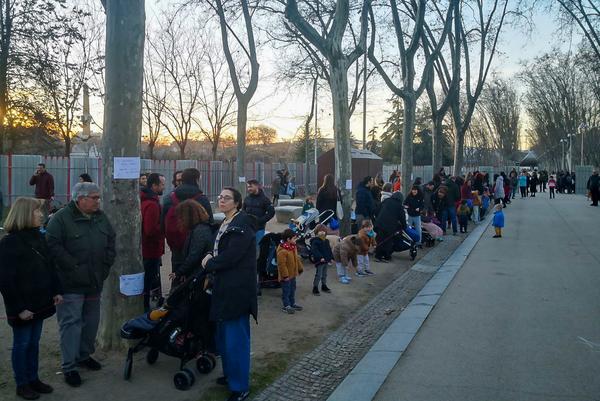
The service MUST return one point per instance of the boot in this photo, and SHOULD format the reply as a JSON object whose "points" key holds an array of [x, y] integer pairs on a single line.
{"points": [[27, 393], [326, 289], [315, 291]]}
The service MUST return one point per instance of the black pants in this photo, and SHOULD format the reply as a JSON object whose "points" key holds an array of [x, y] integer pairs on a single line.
{"points": [[523, 192], [152, 285], [385, 244], [552, 194], [595, 195]]}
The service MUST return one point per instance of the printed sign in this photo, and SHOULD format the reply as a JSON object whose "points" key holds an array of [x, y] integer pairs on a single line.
{"points": [[131, 284], [126, 168]]}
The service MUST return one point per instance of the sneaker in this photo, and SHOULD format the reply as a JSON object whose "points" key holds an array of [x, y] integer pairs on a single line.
{"points": [[90, 364], [297, 308], [326, 289], [343, 280], [40, 387], [315, 291], [497, 236], [238, 395], [348, 277], [360, 274], [27, 393], [222, 381], [369, 273], [288, 309], [72, 378]]}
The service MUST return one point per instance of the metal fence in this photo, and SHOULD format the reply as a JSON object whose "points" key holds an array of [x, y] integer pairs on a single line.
{"points": [[16, 171]]}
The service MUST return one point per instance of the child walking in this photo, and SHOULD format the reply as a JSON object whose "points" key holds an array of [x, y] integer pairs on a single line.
{"points": [[498, 221], [322, 256], [552, 187], [345, 255], [289, 266], [463, 213], [367, 236], [476, 206]]}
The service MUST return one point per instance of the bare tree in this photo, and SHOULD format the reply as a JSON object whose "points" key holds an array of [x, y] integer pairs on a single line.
{"points": [[586, 14], [154, 99], [125, 21], [409, 89], [329, 43]]}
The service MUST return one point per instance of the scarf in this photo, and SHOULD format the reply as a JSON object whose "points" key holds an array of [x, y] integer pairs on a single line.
{"points": [[289, 246]]}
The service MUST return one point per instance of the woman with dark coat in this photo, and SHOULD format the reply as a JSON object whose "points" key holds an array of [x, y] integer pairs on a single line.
{"points": [[391, 218], [233, 266], [328, 195], [533, 184], [30, 288]]}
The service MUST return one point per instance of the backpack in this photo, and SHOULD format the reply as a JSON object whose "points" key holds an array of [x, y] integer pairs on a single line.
{"points": [[174, 235]]}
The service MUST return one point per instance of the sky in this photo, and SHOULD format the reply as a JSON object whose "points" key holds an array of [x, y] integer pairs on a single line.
{"points": [[285, 109]]}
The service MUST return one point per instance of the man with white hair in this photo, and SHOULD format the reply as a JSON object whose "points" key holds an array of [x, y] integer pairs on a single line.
{"points": [[82, 242]]}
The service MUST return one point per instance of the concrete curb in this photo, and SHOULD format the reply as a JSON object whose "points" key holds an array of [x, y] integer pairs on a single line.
{"points": [[367, 377]]}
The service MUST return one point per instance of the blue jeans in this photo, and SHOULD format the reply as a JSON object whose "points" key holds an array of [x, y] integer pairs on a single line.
{"points": [[415, 221], [288, 292], [233, 343], [451, 211], [25, 352]]}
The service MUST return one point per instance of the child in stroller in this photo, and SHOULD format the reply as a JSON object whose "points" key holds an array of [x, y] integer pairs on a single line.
{"points": [[180, 328]]}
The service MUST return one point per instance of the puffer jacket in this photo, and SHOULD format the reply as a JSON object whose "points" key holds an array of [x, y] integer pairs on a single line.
{"points": [[260, 207], [366, 242], [365, 204], [289, 264], [499, 188], [198, 244], [184, 192], [391, 217], [83, 247]]}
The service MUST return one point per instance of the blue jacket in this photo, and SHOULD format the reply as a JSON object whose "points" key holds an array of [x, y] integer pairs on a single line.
{"points": [[365, 205], [498, 219], [522, 180], [485, 202]]}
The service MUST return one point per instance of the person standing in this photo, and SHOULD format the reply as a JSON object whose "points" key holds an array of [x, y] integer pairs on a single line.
{"points": [[82, 241], [533, 184], [365, 204], [328, 195], [234, 296], [452, 197], [551, 187], [44, 186], [498, 189], [258, 205], [593, 186], [514, 183], [523, 184], [153, 239], [414, 206], [391, 219], [30, 289], [289, 266]]}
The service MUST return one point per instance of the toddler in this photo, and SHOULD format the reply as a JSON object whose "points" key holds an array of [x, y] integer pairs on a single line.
{"points": [[321, 256], [345, 255], [463, 213], [498, 221], [367, 236], [289, 266], [476, 206], [552, 187]]}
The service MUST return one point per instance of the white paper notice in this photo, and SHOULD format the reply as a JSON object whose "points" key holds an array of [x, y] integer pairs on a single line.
{"points": [[131, 284], [348, 184], [242, 179], [126, 168]]}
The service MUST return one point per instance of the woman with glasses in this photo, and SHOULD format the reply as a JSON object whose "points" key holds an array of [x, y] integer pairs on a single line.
{"points": [[30, 288], [233, 266]]}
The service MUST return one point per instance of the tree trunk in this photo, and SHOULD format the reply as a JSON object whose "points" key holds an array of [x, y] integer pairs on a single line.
{"points": [[437, 136], [341, 128], [410, 105], [215, 148], [151, 150], [242, 119], [182, 150], [67, 146], [459, 150], [125, 23], [5, 40]]}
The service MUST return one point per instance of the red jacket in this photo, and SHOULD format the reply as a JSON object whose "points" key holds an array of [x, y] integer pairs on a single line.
{"points": [[153, 239], [44, 185]]}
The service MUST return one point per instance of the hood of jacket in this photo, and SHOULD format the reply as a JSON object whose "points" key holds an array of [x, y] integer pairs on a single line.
{"points": [[187, 191], [147, 194]]}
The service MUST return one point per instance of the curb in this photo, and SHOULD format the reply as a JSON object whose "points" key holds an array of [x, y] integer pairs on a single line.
{"points": [[367, 377]]}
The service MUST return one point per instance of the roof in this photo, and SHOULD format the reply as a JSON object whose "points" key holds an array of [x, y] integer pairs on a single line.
{"points": [[530, 159], [364, 154]]}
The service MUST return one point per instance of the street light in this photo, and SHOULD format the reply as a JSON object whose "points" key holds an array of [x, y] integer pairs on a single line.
{"points": [[582, 128]]}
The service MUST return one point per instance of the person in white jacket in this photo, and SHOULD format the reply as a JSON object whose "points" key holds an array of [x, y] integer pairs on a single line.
{"points": [[498, 189]]}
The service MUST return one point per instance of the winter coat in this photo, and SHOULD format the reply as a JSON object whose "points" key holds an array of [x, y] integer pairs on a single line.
{"points": [[385, 195], [234, 268], [198, 244], [476, 199], [440, 204], [44, 185], [320, 249], [412, 203], [184, 192], [551, 183], [453, 194], [593, 182], [498, 219], [465, 192], [533, 183], [499, 188], [463, 210], [289, 264], [153, 238], [391, 217], [83, 247], [260, 207], [28, 279], [523, 180], [327, 202], [346, 251], [427, 200], [366, 242], [365, 204]]}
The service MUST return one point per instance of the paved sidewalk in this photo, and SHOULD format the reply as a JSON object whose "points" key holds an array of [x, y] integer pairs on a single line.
{"points": [[521, 319]]}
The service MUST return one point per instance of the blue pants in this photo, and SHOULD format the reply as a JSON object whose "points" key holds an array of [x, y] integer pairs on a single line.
{"points": [[288, 292], [25, 352], [233, 344], [451, 211]]}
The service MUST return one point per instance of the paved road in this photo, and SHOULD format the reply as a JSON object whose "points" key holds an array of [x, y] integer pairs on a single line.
{"points": [[521, 319]]}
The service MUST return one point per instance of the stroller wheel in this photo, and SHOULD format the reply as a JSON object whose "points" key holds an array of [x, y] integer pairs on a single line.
{"points": [[213, 360], [128, 365], [204, 364], [184, 379], [152, 356], [413, 253]]}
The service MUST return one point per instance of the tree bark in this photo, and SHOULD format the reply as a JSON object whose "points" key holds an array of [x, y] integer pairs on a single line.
{"points": [[437, 136], [410, 107], [338, 76], [67, 146], [242, 119], [125, 23], [5, 43]]}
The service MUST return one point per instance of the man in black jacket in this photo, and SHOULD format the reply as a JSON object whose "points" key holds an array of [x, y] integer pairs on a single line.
{"points": [[258, 205], [391, 219], [593, 185]]}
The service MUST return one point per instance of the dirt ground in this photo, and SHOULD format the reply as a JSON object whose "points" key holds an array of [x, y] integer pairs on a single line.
{"points": [[276, 341]]}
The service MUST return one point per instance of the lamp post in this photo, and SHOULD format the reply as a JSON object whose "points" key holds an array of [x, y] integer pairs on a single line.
{"points": [[582, 128]]}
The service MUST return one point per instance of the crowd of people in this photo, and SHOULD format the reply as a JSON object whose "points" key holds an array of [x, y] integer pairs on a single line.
{"points": [[72, 257]]}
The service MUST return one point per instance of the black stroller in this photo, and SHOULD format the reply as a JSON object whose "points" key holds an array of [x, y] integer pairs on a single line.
{"points": [[403, 242], [183, 331], [267, 261]]}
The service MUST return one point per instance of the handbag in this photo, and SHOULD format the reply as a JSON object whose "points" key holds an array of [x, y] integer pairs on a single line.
{"points": [[339, 210]]}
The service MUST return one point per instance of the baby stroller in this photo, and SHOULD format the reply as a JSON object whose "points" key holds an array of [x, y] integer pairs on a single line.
{"points": [[403, 241], [304, 226], [267, 261], [180, 329]]}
